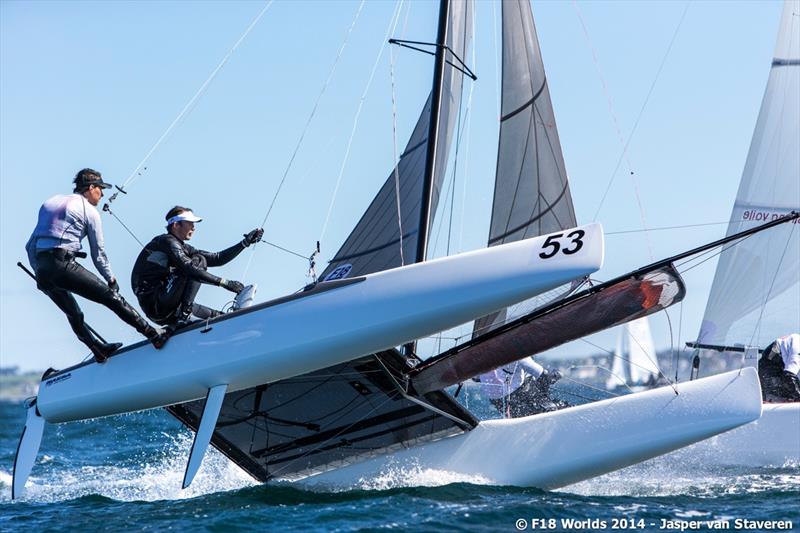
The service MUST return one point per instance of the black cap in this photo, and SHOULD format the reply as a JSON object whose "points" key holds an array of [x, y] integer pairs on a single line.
{"points": [[87, 177]]}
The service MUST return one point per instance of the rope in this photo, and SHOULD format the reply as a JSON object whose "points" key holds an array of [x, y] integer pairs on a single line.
{"points": [[389, 29], [135, 174]]}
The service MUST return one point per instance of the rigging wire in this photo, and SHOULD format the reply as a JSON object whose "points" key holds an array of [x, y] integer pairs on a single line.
{"points": [[305, 258], [467, 147], [311, 115], [389, 30], [711, 256], [313, 111], [136, 172], [626, 144], [394, 153], [676, 354], [614, 355], [581, 383], [662, 228], [125, 226], [459, 133]]}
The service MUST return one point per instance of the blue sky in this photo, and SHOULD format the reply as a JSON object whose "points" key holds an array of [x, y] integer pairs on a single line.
{"points": [[97, 83]]}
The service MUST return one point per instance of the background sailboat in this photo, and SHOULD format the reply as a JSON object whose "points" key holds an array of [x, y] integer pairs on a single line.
{"points": [[634, 364], [755, 296]]}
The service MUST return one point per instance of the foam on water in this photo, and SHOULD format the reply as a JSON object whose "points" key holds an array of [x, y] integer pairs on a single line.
{"points": [[158, 479], [400, 477], [395, 475], [674, 475]]}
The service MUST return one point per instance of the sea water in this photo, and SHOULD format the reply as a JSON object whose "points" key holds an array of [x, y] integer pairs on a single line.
{"points": [[124, 473]]}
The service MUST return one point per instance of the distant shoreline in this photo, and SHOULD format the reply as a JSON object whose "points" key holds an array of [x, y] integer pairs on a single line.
{"points": [[17, 387]]}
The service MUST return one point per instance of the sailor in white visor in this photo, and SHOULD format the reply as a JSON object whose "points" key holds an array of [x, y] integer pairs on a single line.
{"points": [[168, 272]]}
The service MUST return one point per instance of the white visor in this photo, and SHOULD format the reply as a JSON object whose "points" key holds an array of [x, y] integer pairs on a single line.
{"points": [[188, 216]]}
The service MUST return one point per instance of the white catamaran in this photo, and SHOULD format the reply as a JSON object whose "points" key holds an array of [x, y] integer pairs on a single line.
{"points": [[311, 385]]}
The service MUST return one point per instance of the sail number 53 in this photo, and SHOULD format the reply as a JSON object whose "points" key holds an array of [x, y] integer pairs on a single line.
{"points": [[555, 243]]}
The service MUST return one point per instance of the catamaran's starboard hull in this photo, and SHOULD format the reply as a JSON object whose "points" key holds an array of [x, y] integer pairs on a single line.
{"points": [[556, 449], [289, 337], [772, 440]]}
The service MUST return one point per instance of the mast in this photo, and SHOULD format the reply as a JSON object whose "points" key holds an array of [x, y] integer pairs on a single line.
{"points": [[433, 132]]}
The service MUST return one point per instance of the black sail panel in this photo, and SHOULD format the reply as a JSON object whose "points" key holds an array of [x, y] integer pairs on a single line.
{"points": [[595, 309]]}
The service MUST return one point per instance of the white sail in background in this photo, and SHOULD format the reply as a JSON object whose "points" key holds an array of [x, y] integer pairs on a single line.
{"points": [[755, 296], [641, 352], [635, 357], [617, 377]]}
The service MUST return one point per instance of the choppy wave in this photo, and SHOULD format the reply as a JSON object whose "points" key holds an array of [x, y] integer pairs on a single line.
{"points": [[125, 473]]}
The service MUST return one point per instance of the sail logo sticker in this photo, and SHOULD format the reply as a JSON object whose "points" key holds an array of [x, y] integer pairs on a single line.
{"points": [[58, 379], [764, 216], [339, 272]]}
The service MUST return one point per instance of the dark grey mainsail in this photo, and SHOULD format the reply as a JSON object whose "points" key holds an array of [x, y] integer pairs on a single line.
{"points": [[375, 242], [531, 190]]}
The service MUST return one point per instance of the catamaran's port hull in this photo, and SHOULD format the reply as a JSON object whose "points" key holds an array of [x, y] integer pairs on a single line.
{"points": [[293, 336], [556, 449]]}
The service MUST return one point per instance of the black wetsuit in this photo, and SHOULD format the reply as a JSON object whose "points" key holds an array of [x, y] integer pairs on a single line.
{"points": [[168, 273], [777, 384], [531, 398], [58, 275]]}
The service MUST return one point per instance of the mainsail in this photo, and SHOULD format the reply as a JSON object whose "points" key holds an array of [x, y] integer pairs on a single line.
{"points": [[767, 305], [375, 242], [531, 191]]}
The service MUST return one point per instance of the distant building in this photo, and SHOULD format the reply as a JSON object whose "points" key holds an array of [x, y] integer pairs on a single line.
{"points": [[9, 370]]}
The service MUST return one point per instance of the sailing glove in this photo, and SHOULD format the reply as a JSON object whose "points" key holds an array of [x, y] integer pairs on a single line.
{"points": [[231, 285], [253, 237], [113, 285]]}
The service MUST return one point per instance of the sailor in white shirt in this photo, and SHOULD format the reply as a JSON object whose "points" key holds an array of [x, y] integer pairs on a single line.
{"points": [[63, 222]]}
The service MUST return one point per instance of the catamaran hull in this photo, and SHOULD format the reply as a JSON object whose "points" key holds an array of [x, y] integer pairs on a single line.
{"points": [[556, 449], [772, 440], [274, 341]]}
